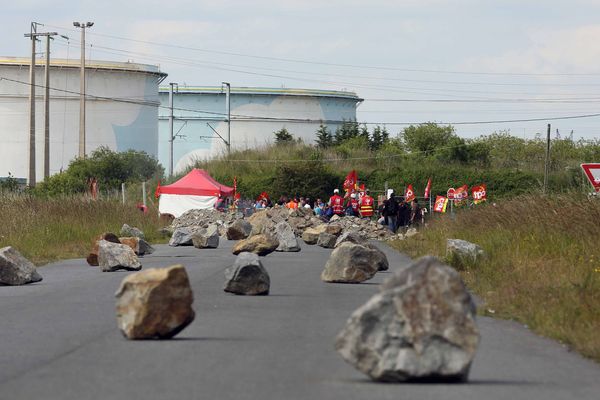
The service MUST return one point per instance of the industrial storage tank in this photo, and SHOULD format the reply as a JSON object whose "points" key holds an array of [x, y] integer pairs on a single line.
{"points": [[200, 118], [121, 111]]}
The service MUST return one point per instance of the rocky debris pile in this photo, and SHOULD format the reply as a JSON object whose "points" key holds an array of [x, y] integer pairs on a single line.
{"points": [[247, 276], [206, 238], [16, 269], [128, 231], [421, 326], [266, 220], [353, 263], [155, 304], [464, 251], [286, 237], [115, 256], [92, 258], [311, 235], [139, 246], [261, 244]]}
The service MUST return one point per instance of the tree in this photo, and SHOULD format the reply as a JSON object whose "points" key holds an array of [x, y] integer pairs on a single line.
{"points": [[282, 136], [324, 137], [376, 139], [427, 138], [364, 132], [348, 130]]}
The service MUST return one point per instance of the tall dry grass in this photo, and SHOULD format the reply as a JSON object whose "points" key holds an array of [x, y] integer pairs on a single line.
{"points": [[46, 230], [543, 264]]}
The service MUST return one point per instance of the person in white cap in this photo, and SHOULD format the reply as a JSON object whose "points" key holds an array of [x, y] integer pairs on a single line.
{"points": [[352, 206], [336, 202]]}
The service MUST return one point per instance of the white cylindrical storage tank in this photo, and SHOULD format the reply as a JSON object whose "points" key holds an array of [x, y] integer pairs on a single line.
{"points": [[121, 111], [256, 113]]}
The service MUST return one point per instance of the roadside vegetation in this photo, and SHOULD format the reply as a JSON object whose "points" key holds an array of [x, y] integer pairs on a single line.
{"points": [[50, 229], [543, 264]]}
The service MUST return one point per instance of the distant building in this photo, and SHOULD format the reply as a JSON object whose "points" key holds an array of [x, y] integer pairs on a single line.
{"points": [[256, 113], [121, 111]]}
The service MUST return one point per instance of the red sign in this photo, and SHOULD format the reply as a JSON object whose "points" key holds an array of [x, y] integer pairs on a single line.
{"points": [[462, 193], [409, 194], [450, 193], [440, 204], [479, 193], [592, 171]]}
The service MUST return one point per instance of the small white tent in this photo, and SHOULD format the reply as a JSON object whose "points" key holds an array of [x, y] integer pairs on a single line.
{"points": [[196, 190]]}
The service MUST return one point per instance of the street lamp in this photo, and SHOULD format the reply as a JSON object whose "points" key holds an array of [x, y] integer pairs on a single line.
{"points": [[82, 25]]}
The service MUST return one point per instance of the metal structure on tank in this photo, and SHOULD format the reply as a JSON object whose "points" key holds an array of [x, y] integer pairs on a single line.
{"points": [[200, 118], [121, 105]]}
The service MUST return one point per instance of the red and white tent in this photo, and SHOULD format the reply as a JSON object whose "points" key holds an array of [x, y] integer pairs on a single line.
{"points": [[196, 190]]}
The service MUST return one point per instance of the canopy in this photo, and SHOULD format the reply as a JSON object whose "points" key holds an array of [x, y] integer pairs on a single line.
{"points": [[196, 190], [199, 183]]}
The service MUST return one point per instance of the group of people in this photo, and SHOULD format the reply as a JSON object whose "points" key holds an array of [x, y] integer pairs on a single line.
{"points": [[397, 213], [393, 212]]}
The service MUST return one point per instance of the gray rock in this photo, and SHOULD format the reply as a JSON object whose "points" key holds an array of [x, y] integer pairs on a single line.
{"points": [[155, 304], [16, 269], [379, 257], [335, 218], [463, 250], [286, 237], [144, 247], [351, 263], [352, 237], [421, 326], [127, 230], [240, 229], [410, 232], [182, 237], [115, 256], [247, 276], [206, 238], [326, 240]]}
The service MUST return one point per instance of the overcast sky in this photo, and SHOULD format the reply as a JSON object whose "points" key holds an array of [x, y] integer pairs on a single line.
{"points": [[428, 60]]}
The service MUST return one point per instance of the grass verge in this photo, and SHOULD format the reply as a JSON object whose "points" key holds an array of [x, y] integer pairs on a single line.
{"points": [[543, 264], [46, 230]]}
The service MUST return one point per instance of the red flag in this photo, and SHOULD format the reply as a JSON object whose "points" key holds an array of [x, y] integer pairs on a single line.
{"points": [[440, 204], [479, 193], [409, 194], [361, 188], [157, 191], [428, 189], [350, 182], [263, 195]]}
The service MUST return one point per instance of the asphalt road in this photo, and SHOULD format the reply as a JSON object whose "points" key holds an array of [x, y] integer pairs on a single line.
{"points": [[59, 340]]}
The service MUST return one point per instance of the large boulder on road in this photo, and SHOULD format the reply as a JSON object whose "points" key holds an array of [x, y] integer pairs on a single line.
{"points": [[116, 256], [16, 269], [247, 276], [286, 237], [240, 229], [352, 237], [206, 238], [326, 240], [92, 258], [351, 263], [420, 327], [262, 245], [155, 304], [182, 236], [128, 231], [139, 246]]}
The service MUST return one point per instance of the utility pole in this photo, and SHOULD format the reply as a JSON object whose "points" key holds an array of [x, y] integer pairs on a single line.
{"points": [[32, 35], [47, 107], [171, 136], [82, 25], [228, 110], [547, 163]]}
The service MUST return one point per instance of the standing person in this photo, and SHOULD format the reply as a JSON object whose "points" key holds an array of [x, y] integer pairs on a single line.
{"points": [[336, 202], [352, 206], [366, 205], [403, 214], [415, 213], [391, 211]]}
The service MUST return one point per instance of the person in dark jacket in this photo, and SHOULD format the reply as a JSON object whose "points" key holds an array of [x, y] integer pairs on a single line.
{"points": [[391, 211]]}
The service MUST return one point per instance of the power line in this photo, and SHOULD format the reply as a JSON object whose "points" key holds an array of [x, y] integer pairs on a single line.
{"points": [[241, 117], [300, 61]]}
